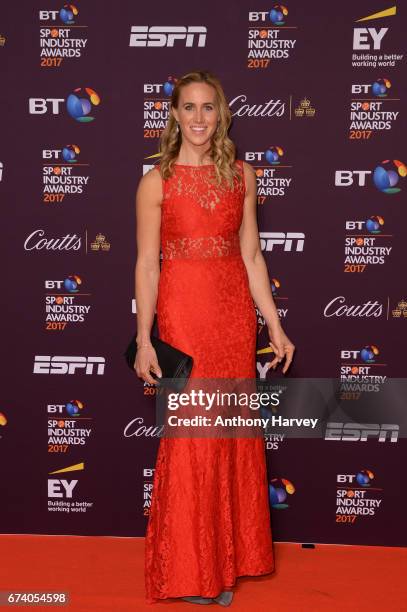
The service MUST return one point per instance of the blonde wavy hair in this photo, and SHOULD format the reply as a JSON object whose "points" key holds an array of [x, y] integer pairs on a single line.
{"points": [[222, 149]]}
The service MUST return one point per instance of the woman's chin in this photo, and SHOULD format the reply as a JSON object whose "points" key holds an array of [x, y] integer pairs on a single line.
{"points": [[199, 141]]}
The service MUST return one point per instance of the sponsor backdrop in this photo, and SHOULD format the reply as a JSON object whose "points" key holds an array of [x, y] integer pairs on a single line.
{"points": [[316, 96]]}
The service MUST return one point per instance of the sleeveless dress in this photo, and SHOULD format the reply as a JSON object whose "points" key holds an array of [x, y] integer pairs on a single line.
{"points": [[209, 518]]}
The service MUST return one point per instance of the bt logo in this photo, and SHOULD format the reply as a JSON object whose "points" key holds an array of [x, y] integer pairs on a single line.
{"points": [[378, 88], [272, 155], [373, 225], [71, 283], [73, 408], [68, 153], [157, 88], [78, 104], [362, 478], [367, 354], [277, 15], [386, 176], [66, 14]]}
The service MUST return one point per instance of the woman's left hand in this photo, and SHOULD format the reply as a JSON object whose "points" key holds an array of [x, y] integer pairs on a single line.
{"points": [[282, 347]]}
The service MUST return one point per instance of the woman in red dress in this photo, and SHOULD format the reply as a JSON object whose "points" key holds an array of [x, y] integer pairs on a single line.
{"points": [[209, 519]]}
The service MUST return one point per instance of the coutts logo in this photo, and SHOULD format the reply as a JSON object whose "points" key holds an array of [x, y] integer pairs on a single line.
{"points": [[37, 241], [337, 307]]}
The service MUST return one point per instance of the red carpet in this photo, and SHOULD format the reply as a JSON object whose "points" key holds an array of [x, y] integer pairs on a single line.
{"points": [[106, 574]]}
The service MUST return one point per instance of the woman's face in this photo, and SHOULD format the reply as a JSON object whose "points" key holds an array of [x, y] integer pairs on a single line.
{"points": [[197, 113]]}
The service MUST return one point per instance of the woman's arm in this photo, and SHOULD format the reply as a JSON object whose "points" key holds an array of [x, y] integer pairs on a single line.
{"points": [[256, 267], [147, 268]]}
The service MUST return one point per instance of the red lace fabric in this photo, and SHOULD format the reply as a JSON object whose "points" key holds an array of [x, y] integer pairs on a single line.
{"points": [[209, 519]]}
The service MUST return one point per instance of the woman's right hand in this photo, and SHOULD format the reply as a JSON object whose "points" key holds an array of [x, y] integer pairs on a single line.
{"points": [[146, 360]]}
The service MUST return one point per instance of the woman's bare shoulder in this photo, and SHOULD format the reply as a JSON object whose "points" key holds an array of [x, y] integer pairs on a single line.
{"points": [[150, 189], [151, 181], [248, 168], [152, 176], [249, 174]]}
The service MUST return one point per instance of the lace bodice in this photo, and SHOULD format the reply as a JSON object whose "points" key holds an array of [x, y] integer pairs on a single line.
{"points": [[200, 219]]}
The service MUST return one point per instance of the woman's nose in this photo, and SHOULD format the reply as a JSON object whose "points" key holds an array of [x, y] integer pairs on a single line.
{"points": [[198, 115]]}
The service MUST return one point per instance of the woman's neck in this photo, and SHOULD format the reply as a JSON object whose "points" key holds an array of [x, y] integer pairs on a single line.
{"points": [[192, 158]]}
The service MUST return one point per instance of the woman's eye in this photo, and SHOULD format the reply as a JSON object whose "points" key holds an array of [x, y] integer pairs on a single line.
{"points": [[189, 107]]}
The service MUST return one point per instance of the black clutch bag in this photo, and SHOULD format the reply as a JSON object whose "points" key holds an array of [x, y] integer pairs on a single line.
{"points": [[175, 365]]}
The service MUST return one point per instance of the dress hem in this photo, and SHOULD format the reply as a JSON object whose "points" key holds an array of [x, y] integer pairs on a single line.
{"points": [[152, 600]]}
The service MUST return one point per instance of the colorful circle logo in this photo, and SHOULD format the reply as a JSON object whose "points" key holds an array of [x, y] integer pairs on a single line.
{"points": [[364, 477], [277, 14], [273, 155], [386, 176], [374, 224], [79, 104], [368, 353], [380, 87], [169, 85], [69, 153], [275, 284], [72, 282], [279, 488], [74, 407], [67, 13]]}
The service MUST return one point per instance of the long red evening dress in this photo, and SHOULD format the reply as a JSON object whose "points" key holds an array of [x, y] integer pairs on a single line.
{"points": [[209, 518]]}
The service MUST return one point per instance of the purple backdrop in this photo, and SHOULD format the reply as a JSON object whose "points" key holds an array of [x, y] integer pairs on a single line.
{"points": [[315, 92]]}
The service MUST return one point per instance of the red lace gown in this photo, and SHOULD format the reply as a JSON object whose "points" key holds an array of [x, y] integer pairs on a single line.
{"points": [[209, 518]]}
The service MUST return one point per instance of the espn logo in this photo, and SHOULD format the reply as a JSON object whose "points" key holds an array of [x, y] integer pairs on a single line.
{"points": [[165, 36]]}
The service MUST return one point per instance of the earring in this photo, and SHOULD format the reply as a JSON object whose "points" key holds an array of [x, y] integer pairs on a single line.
{"points": [[177, 126]]}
